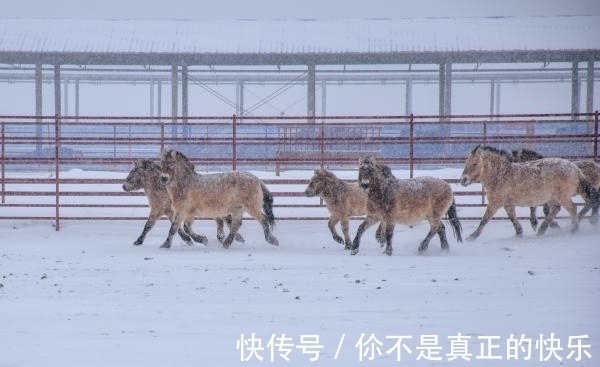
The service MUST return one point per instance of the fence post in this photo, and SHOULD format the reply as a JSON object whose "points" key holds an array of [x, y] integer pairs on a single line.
{"points": [[3, 167], [234, 143], [57, 169], [322, 144], [411, 145], [484, 132], [596, 135], [162, 135]]}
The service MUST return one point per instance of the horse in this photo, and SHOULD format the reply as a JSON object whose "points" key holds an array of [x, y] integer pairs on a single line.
{"points": [[509, 184], [589, 169], [405, 201], [215, 195], [343, 200], [145, 175]]}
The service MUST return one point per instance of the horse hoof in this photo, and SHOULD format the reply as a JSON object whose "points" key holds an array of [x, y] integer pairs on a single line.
{"points": [[239, 238], [138, 243], [387, 252], [338, 239], [166, 245], [354, 252], [471, 238]]}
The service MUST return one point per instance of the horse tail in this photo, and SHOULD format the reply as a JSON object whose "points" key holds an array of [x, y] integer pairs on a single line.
{"points": [[589, 193], [453, 218], [268, 204]]}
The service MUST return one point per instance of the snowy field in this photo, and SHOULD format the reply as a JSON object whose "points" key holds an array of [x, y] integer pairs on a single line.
{"points": [[85, 296]]}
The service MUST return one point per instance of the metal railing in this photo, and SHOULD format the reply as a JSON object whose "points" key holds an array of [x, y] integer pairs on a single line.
{"points": [[71, 168]]}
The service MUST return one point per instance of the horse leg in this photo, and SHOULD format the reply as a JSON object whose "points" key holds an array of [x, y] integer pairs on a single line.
{"points": [[553, 223], [187, 227], [433, 229], [510, 210], [595, 203], [236, 223], [262, 219], [333, 220], [238, 236], [533, 217], [220, 231], [369, 221], [152, 218], [147, 227], [491, 209], [442, 235], [175, 226], [572, 210], [389, 233], [380, 234], [345, 224], [591, 201], [553, 209]]}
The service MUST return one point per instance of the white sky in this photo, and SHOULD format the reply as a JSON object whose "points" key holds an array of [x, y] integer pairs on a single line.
{"points": [[277, 9]]}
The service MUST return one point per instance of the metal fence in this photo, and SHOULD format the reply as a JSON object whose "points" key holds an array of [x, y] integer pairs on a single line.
{"points": [[71, 168]]}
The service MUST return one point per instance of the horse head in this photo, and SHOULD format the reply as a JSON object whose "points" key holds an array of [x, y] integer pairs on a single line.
{"points": [[321, 183], [367, 170], [482, 161], [136, 179]]}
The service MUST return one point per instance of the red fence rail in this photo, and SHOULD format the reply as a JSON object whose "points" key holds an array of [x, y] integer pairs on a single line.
{"points": [[71, 168]]}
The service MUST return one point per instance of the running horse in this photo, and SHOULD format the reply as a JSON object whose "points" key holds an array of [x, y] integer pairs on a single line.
{"points": [[145, 175], [343, 200], [405, 201], [590, 170], [509, 184], [215, 195]]}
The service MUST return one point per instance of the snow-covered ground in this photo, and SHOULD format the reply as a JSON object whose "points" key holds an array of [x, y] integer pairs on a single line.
{"points": [[84, 296]]}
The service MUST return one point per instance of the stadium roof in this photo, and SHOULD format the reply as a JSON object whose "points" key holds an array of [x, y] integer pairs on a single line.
{"points": [[300, 41]]}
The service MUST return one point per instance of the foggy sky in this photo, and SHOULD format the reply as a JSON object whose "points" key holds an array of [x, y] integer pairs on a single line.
{"points": [[294, 9]]}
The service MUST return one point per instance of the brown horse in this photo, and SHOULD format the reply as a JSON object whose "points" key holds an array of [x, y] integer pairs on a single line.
{"points": [[145, 175], [214, 195], [592, 174], [405, 201], [508, 184], [343, 200]]}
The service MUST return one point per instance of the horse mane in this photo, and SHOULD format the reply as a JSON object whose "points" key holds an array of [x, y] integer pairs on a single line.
{"points": [[147, 164], [524, 154], [487, 148], [180, 157]]}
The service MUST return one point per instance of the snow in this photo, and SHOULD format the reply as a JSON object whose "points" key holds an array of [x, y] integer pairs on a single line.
{"points": [[85, 296], [301, 35]]}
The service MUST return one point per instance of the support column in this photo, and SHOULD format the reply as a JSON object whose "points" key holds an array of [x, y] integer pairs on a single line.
{"points": [[159, 99], [38, 108], [408, 95], [448, 90], [441, 91], [184, 101], [174, 104], [239, 97], [66, 96], [151, 85], [310, 108], [492, 95], [589, 97], [323, 98], [57, 90], [575, 91], [77, 100]]}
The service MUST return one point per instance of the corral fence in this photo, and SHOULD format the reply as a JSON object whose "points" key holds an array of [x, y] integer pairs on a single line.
{"points": [[71, 168]]}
